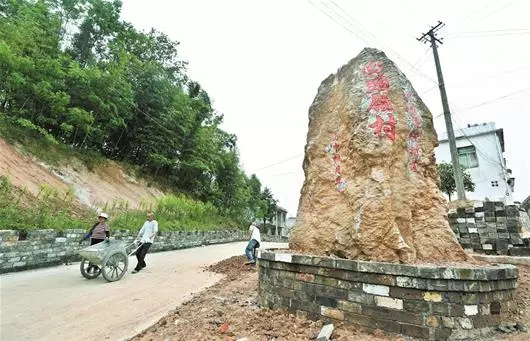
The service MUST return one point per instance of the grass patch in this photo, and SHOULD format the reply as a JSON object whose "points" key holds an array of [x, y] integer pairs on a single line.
{"points": [[20, 210], [53, 209], [173, 213]]}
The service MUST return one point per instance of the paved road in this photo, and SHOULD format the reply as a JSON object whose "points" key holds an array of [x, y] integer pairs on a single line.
{"points": [[59, 304]]}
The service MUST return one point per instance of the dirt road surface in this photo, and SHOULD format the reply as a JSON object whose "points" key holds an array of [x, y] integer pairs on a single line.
{"points": [[59, 304]]}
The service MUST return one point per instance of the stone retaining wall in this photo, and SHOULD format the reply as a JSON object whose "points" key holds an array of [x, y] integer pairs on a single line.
{"points": [[49, 247], [434, 303], [489, 227]]}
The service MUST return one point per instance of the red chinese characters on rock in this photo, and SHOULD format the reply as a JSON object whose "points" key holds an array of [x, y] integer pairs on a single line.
{"points": [[380, 107], [380, 103], [413, 149], [414, 122], [333, 149], [387, 128]]}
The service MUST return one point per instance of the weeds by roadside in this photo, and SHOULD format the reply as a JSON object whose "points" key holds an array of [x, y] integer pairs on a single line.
{"points": [[19, 209], [59, 210]]}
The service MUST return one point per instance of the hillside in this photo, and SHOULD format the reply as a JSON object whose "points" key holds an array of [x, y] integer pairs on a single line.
{"points": [[60, 190], [80, 87], [106, 184]]}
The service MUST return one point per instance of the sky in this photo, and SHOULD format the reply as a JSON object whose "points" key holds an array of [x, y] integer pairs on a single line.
{"points": [[262, 62]]}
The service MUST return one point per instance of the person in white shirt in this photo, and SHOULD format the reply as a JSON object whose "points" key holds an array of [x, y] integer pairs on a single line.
{"points": [[253, 243], [146, 236]]}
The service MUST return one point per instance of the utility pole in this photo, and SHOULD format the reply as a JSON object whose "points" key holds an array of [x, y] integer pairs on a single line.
{"points": [[430, 37]]}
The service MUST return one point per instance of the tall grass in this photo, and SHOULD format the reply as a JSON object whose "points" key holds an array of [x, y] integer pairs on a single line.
{"points": [[20, 210], [173, 213], [56, 209]]}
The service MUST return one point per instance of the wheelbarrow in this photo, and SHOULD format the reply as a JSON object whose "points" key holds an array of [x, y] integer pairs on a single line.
{"points": [[109, 258]]}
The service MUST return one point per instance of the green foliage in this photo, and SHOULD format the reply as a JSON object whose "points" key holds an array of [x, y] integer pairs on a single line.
{"points": [[5, 184], [447, 179], [54, 209], [173, 213], [45, 148], [267, 205], [21, 210], [112, 90]]}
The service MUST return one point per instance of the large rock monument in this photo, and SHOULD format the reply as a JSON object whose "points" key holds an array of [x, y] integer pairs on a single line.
{"points": [[370, 190]]}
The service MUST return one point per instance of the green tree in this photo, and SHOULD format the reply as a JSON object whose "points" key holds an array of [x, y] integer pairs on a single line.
{"points": [[447, 179], [72, 71], [268, 205]]}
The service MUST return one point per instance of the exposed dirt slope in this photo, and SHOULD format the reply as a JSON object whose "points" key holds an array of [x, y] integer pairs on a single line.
{"points": [[105, 184]]}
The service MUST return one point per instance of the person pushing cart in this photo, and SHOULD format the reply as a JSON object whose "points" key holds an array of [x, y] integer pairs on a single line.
{"points": [[146, 237]]}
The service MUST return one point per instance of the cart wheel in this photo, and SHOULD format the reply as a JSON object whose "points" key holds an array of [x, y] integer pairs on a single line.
{"points": [[115, 266], [89, 271]]}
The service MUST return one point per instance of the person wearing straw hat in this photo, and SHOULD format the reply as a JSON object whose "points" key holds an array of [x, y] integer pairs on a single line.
{"points": [[99, 231], [97, 234]]}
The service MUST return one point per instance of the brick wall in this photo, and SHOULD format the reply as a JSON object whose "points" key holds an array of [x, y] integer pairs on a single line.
{"points": [[488, 227], [49, 247], [425, 302]]}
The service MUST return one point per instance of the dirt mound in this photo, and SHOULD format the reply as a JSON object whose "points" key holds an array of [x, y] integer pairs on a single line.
{"points": [[107, 186], [233, 267], [229, 311], [520, 310]]}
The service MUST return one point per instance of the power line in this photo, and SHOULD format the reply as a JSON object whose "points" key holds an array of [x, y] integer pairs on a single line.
{"points": [[479, 148], [477, 11], [493, 76], [428, 90], [507, 30], [280, 174], [353, 22], [423, 58], [489, 35], [496, 99], [278, 163], [393, 28], [490, 101], [332, 18], [158, 123], [357, 25], [476, 144], [494, 11]]}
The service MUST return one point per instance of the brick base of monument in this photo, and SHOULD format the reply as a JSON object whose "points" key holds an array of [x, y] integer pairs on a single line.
{"points": [[426, 302]]}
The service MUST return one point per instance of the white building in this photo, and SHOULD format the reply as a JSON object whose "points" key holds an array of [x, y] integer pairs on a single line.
{"points": [[289, 223], [277, 223], [480, 149]]}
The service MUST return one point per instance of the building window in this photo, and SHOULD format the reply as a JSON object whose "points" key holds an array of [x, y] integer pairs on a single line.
{"points": [[494, 184], [468, 157]]}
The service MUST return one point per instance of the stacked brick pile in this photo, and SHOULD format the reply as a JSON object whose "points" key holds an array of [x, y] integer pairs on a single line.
{"points": [[489, 227]]}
